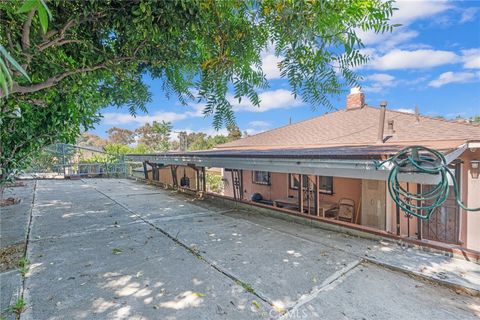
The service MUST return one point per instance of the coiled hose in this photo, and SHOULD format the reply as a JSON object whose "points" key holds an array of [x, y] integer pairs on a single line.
{"points": [[418, 159]]}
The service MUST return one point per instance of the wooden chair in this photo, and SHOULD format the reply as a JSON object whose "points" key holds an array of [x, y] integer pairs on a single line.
{"points": [[346, 210]]}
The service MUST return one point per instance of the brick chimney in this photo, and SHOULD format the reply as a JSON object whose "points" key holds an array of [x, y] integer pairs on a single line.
{"points": [[356, 98]]}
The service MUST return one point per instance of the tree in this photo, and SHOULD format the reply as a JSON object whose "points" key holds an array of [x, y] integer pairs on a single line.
{"points": [[475, 119], [121, 136], [234, 132], [199, 141], [156, 136], [90, 139], [97, 52]]}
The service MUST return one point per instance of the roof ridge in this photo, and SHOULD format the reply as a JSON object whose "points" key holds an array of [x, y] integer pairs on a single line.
{"points": [[451, 121]]}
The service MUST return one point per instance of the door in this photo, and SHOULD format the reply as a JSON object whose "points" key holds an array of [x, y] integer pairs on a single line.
{"points": [[373, 203], [443, 224]]}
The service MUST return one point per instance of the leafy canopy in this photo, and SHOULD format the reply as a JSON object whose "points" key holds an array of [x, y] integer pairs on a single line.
{"points": [[93, 54]]}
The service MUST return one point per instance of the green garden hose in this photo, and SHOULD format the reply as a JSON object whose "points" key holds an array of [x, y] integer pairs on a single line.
{"points": [[418, 159]]}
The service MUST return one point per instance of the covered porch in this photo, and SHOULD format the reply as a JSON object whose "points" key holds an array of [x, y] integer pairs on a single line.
{"points": [[346, 191]]}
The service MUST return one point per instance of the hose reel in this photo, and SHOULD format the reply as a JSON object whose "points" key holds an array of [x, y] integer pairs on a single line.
{"points": [[418, 159]]}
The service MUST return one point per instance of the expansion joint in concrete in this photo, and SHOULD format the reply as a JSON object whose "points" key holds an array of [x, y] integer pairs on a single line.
{"points": [[329, 283], [246, 286], [27, 241]]}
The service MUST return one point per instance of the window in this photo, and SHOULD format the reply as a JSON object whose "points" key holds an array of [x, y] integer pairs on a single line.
{"points": [[261, 177], [295, 182], [325, 183]]}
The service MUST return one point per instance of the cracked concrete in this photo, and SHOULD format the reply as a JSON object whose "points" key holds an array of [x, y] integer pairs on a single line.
{"points": [[118, 249]]}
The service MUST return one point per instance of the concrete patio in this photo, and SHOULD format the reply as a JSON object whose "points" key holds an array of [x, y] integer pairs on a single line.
{"points": [[120, 249]]}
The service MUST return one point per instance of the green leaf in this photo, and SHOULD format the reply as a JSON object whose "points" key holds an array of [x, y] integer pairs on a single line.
{"points": [[14, 63], [28, 5], [42, 14], [6, 73], [44, 5], [3, 83]]}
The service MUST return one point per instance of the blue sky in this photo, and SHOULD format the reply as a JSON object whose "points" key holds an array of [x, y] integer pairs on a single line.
{"points": [[432, 61]]}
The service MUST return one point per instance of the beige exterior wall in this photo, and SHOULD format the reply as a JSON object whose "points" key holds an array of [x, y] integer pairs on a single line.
{"points": [[279, 188], [471, 197], [165, 175]]}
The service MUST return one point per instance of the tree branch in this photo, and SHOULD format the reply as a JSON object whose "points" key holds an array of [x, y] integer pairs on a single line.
{"points": [[26, 30], [52, 81], [57, 42]]}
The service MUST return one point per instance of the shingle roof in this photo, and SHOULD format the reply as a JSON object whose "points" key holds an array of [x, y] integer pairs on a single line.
{"points": [[360, 127]]}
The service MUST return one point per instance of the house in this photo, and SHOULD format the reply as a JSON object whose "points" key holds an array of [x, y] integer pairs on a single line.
{"points": [[324, 169]]}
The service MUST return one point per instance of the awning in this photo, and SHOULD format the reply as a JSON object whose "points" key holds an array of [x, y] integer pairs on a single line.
{"points": [[349, 161]]}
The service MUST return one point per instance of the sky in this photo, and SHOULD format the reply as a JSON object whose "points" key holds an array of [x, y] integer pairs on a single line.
{"points": [[432, 61]]}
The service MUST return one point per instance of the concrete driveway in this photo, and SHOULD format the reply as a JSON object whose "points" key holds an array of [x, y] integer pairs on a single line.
{"points": [[119, 249]]}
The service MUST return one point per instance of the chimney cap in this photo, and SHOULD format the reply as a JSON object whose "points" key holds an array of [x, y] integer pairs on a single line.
{"points": [[383, 104], [355, 90]]}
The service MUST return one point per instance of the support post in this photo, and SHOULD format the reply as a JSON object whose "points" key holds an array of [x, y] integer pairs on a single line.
{"points": [[419, 221], [309, 197], [197, 177], [301, 193], [173, 169], [204, 180], [240, 186], [397, 209], [317, 198], [234, 187], [145, 171]]}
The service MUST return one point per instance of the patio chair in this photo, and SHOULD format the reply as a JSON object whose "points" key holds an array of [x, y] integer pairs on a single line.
{"points": [[346, 210]]}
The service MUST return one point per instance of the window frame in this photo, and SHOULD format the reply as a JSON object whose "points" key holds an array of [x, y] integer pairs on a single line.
{"points": [[292, 186], [268, 183]]}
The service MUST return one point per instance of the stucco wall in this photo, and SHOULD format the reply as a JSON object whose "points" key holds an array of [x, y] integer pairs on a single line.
{"points": [[471, 196], [165, 175], [279, 188]]}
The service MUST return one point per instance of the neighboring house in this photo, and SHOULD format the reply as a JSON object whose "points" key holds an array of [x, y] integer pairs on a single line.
{"points": [[323, 168]]}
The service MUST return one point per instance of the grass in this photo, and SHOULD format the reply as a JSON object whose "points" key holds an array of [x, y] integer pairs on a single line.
{"points": [[23, 266], [18, 307], [117, 251], [245, 286]]}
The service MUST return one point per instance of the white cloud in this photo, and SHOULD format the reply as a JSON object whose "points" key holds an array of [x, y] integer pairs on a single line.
{"points": [[274, 99], [378, 81], [409, 11], [251, 131], [259, 124], [270, 65], [380, 77], [405, 110], [468, 14], [453, 77], [116, 118], [387, 41], [471, 58], [416, 59]]}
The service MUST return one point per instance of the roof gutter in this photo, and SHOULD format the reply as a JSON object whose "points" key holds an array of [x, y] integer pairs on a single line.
{"points": [[357, 169]]}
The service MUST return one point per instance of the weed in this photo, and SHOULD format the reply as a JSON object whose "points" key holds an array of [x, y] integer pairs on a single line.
{"points": [[18, 307], [23, 266], [246, 286], [117, 251], [256, 304]]}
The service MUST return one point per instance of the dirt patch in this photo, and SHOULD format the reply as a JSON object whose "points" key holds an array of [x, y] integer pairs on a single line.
{"points": [[15, 184], [9, 201], [10, 255]]}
